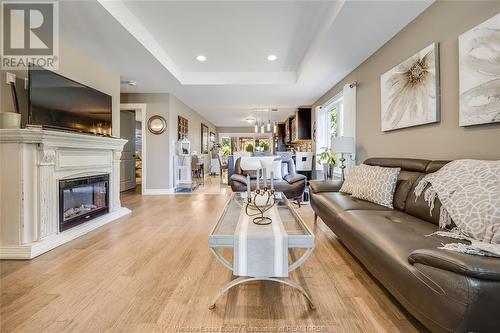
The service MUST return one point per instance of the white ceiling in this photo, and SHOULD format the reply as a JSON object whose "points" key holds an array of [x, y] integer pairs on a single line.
{"points": [[156, 42]]}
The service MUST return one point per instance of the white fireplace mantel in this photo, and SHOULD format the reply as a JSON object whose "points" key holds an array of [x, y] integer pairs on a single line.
{"points": [[32, 161]]}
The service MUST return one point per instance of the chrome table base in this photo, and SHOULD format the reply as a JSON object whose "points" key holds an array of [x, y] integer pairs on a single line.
{"points": [[244, 279]]}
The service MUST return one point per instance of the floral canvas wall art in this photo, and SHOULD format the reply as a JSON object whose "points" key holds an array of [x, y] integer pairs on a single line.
{"points": [[479, 69], [410, 91]]}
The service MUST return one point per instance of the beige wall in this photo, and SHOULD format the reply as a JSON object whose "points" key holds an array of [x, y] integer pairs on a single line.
{"points": [[442, 22], [81, 68], [160, 149], [178, 108]]}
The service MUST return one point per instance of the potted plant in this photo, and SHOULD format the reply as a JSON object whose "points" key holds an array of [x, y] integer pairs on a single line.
{"points": [[327, 159], [249, 148], [264, 146]]}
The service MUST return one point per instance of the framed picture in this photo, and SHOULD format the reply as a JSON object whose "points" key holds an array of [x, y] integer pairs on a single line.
{"points": [[410, 91], [212, 137], [182, 128], [479, 73], [204, 139]]}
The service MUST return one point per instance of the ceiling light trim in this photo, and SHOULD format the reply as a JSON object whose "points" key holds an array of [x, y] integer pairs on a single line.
{"points": [[133, 25], [238, 78], [322, 32]]}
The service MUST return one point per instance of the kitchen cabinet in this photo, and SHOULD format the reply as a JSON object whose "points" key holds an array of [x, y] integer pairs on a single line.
{"points": [[298, 126], [279, 137]]}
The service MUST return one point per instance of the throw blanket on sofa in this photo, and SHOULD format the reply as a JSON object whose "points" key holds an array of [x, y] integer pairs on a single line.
{"points": [[260, 250], [469, 191]]}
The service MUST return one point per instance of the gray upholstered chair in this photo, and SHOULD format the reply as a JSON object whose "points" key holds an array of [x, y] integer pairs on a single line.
{"points": [[292, 184]]}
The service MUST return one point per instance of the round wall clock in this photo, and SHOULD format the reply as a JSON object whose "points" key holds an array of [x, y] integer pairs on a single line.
{"points": [[157, 124]]}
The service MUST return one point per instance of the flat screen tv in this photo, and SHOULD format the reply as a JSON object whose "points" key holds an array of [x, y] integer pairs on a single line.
{"points": [[61, 103]]}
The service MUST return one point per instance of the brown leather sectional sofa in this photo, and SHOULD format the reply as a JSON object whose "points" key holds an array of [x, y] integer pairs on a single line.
{"points": [[446, 291]]}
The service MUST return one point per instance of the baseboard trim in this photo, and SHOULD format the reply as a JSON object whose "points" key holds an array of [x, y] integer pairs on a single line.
{"points": [[158, 191], [32, 250]]}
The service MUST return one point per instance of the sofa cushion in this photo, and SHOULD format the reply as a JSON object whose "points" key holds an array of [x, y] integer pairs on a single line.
{"points": [[377, 184], [352, 179], [337, 202], [408, 164], [383, 241], [250, 163], [284, 169], [389, 233], [405, 184], [295, 178], [317, 186], [486, 268], [418, 207], [269, 165]]}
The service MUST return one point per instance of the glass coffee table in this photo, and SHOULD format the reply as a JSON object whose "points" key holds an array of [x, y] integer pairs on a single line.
{"points": [[222, 236]]}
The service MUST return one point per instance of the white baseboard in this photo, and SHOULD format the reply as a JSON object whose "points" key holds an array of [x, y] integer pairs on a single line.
{"points": [[158, 191], [31, 250]]}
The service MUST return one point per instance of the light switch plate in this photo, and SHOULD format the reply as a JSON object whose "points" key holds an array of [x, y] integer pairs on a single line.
{"points": [[11, 78]]}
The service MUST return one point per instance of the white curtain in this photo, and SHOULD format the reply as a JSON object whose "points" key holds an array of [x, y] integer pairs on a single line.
{"points": [[322, 132], [348, 120]]}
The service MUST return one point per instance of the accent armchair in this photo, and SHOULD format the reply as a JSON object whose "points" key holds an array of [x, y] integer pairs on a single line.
{"points": [[292, 184]]}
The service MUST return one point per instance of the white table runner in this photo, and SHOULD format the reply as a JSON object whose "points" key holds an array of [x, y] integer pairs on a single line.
{"points": [[260, 250]]}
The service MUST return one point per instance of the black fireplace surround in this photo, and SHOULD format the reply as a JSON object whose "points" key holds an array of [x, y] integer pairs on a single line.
{"points": [[82, 199]]}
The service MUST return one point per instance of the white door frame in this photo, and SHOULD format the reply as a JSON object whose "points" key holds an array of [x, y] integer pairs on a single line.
{"points": [[140, 107]]}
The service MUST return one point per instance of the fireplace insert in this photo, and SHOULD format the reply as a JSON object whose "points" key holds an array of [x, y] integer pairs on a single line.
{"points": [[82, 199]]}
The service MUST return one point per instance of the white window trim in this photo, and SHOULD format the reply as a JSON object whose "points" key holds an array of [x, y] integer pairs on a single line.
{"points": [[337, 99]]}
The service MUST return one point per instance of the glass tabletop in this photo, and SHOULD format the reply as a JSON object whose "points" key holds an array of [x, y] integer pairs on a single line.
{"points": [[222, 234]]}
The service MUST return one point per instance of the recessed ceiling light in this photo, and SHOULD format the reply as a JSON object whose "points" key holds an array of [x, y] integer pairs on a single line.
{"points": [[201, 58], [250, 120], [272, 57], [130, 83]]}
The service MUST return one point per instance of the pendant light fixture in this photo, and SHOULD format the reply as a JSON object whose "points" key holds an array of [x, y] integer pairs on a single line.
{"points": [[256, 125], [269, 119]]}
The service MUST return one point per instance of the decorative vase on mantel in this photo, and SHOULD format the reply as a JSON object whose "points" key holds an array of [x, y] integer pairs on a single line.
{"points": [[9, 120]]}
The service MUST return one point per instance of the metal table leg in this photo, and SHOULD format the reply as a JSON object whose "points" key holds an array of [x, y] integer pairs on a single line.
{"points": [[244, 279]]}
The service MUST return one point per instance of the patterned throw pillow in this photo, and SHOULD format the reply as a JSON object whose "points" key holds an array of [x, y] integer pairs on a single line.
{"points": [[351, 179], [377, 184]]}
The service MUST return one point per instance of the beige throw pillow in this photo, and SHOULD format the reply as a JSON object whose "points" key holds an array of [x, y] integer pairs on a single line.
{"points": [[351, 179], [377, 184]]}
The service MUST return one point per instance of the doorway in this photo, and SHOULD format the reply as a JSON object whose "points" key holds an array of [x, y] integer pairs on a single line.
{"points": [[130, 169], [132, 163]]}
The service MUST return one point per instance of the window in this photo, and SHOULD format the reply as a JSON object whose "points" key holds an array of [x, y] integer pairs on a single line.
{"points": [[226, 146], [328, 123]]}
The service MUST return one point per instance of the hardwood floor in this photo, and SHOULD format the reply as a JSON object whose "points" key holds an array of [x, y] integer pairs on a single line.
{"points": [[152, 271]]}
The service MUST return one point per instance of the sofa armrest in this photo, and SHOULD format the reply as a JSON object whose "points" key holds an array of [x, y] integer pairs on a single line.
{"points": [[318, 186], [295, 178], [239, 178], [479, 267]]}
